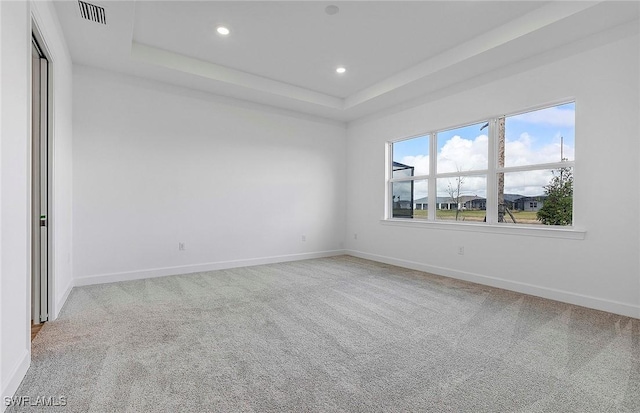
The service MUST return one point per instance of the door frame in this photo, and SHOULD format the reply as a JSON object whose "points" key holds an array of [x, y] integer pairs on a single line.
{"points": [[38, 38]]}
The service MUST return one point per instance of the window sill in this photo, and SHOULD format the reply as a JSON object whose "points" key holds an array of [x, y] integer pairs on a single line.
{"points": [[506, 229]]}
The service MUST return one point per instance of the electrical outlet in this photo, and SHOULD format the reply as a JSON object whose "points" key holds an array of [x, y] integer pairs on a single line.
{"points": [[181, 246], [304, 238], [461, 250], [355, 235]]}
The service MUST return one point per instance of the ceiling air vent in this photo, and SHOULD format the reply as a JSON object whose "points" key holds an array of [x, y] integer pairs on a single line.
{"points": [[92, 12]]}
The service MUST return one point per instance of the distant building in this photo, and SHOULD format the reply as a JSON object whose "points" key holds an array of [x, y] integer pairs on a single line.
{"points": [[509, 200], [529, 203], [446, 203], [477, 203], [514, 202]]}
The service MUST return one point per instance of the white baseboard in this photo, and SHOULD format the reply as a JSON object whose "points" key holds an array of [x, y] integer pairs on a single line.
{"points": [[15, 378], [186, 269], [596, 303]]}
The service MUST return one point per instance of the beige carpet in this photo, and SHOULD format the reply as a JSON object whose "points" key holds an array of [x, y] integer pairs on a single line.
{"points": [[337, 334]]}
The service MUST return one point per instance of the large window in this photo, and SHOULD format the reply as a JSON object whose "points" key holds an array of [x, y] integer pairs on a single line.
{"points": [[515, 169]]}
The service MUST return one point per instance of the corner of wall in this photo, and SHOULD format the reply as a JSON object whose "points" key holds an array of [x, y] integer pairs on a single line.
{"points": [[59, 303]]}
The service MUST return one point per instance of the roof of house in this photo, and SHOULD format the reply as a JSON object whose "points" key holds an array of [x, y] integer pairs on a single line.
{"points": [[447, 199], [531, 198], [467, 198], [401, 165]]}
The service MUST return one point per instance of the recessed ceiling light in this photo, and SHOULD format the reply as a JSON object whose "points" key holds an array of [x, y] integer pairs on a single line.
{"points": [[223, 30], [331, 10], [341, 70]]}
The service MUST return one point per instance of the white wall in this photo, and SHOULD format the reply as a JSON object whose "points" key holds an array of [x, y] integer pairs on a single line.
{"points": [[600, 271], [14, 192], [155, 165], [15, 166]]}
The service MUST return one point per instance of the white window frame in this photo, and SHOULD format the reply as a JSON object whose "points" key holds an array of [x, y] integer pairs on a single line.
{"points": [[491, 225]]}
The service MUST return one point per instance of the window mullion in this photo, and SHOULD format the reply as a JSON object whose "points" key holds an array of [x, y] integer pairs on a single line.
{"points": [[409, 178], [537, 167], [479, 172]]}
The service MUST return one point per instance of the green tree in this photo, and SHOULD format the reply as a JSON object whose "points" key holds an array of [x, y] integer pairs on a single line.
{"points": [[558, 206]]}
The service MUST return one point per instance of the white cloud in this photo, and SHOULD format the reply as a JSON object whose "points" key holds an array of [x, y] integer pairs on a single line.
{"points": [[420, 189], [521, 151], [464, 155], [553, 116], [420, 162], [528, 183], [460, 154]]}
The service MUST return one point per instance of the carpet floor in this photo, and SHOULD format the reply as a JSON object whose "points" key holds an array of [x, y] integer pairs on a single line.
{"points": [[337, 334]]}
